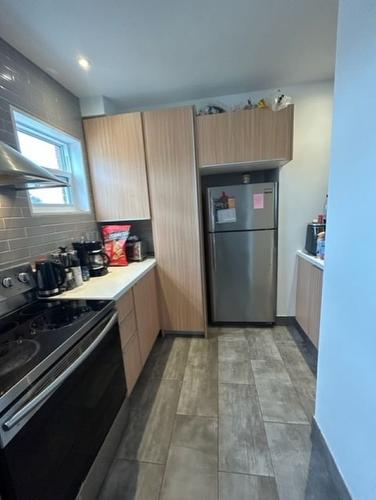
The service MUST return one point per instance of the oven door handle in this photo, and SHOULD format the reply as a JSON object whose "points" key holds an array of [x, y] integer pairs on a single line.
{"points": [[20, 414]]}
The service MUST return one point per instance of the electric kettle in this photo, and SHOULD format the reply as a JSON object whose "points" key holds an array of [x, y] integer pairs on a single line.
{"points": [[50, 276]]}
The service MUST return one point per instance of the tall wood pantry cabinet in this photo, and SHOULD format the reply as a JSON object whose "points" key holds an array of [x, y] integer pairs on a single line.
{"points": [[170, 153]]}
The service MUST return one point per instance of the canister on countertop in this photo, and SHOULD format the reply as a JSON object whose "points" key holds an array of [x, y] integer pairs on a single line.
{"points": [[320, 251], [76, 268]]}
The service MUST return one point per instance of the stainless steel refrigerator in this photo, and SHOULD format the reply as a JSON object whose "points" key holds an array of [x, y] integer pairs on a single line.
{"points": [[242, 252]]}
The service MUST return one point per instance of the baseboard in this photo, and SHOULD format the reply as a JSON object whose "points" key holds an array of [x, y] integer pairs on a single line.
{"points": [[90, 488], [178, 333], [338, 480], [284, 320], [296, 325]]}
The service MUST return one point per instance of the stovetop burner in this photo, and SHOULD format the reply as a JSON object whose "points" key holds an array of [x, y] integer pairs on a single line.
{"points": [[33, 310], [59, 316], [16, 353], [30, 334]]}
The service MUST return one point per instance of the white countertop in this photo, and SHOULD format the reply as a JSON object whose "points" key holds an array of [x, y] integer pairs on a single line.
{"points": [[311, 258], [111, 286]]}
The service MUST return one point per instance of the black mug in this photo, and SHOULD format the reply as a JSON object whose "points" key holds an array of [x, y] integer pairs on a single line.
{"points": [[50, 276]]}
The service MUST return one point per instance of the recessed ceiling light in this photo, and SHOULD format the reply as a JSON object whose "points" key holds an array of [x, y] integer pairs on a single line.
{"points": [[84, 63]]}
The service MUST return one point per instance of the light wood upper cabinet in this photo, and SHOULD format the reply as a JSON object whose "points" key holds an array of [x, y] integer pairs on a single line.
{"points": [[147, 313], [308, 299], [172, 178], [116, 155], [257, 135]]}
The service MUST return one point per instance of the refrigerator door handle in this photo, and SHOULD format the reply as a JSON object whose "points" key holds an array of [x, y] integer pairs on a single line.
{"points": [[214, 257], [212, 214]]}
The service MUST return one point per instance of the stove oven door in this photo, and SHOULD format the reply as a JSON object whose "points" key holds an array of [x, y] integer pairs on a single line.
{"points": [[52, 436]]}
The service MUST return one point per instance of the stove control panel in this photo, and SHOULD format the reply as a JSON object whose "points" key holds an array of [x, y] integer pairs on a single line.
{"points": [[7, 282], [16, 281], [24, 277]]}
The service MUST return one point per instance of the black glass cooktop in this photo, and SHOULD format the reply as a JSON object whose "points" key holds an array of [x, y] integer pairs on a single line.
{"points": [[31, 334]]}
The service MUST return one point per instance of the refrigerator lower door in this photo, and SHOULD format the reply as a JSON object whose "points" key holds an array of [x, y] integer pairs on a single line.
{"points": [[242, 267]]}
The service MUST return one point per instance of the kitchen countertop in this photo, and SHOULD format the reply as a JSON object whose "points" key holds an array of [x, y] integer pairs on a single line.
{"points": [[111, 286], [312, 259]]}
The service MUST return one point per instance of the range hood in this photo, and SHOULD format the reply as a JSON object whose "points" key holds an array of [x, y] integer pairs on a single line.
{"points": [[17, 172]]}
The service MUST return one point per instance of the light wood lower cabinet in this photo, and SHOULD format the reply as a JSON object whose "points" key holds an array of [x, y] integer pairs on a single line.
{"points": [[315, 305], [128, 328], [132, 362], [147, 314], [139, 325], [303, 293], [308, 299]]}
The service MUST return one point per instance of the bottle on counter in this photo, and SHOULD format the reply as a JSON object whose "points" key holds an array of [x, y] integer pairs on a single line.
{"points": [[325, 209], [320, 250], [85, 273], [76, 268]]}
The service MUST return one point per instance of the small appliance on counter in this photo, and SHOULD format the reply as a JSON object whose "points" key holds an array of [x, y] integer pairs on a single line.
{"points": [[97, 260], [82, 255], [69, 260], [136, 249], [50, 277], [313, 230]]}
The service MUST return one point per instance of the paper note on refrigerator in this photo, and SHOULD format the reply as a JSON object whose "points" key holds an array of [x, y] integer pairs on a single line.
{"points": [[226, 215], [258, 200]]}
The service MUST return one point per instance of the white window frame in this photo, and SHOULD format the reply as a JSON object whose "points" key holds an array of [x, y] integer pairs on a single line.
{"points": [[70, 157]]}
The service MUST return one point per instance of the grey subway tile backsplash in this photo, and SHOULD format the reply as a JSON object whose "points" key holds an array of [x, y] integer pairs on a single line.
{"points": [[24, 236], [4, 246]]}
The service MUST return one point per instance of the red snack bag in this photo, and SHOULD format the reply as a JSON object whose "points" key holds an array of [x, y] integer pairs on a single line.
{"points": [[115, 239]]}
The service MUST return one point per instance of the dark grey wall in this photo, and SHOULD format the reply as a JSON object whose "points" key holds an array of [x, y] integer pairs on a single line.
{"points": [[24, 237]]}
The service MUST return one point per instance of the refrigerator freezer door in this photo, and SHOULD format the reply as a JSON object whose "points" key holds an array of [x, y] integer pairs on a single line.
{"points": [[242, 208], [243, 276]]}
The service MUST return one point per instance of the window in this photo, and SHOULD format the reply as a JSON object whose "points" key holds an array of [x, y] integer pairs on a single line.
{"points": [[59, 153]]}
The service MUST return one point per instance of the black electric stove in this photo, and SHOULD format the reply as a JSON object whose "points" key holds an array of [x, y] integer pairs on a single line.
{"points": [[34, 336], [62, 383]]}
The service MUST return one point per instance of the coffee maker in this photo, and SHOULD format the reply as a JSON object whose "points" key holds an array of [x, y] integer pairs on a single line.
{"points": [[92, 256]]}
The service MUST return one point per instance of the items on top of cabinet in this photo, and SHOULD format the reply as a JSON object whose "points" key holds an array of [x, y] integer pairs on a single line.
{"points": [[275, 102], [211, 109], [280, 101]]}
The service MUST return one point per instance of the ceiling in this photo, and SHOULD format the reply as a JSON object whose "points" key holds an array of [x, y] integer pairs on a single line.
{"points": [[147, 52]]}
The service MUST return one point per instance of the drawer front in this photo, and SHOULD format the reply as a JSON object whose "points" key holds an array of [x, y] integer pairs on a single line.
{"points": [[125, 305], [127, 328], [132, 362]]}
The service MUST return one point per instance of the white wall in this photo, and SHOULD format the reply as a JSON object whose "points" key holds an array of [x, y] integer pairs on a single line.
{"points": [[303, 182], [346, 393]]}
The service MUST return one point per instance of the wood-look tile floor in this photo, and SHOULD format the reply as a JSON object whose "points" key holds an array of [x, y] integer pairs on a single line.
{"points": [[223, 418]]}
